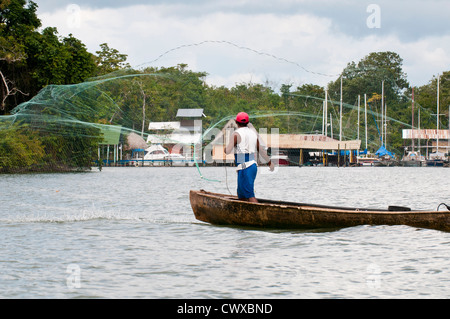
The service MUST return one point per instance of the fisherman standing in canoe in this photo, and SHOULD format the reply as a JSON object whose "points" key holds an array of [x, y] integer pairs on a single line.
{"points": [[245, 142]]}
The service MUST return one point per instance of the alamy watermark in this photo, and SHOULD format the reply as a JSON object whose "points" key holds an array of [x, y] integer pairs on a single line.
{"points": [[73, 280], [74, 16], [215, 141], [374, 19], [373, 279], [214, 151]]}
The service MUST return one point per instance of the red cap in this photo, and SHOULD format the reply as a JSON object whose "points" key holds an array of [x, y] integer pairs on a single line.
{"points": [[242, 118]]}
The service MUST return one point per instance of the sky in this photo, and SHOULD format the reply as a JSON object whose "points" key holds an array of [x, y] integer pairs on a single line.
{"points": [[260, 41]]}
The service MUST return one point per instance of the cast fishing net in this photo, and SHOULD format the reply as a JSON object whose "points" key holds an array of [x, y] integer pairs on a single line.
{"points": [[105, 121]]}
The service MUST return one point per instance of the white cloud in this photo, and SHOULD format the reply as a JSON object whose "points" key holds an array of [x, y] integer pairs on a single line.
{"points": [[144, 32]]}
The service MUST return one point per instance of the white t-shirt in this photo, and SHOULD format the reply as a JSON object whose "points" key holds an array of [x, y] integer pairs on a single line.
{"points": [[248, 145], [248, 142]]}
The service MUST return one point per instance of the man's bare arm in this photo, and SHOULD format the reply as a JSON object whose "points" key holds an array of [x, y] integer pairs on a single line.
{"points": [[233, 142]]}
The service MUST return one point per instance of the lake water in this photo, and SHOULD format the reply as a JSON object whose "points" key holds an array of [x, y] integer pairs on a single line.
{"points": [[131, 233]]}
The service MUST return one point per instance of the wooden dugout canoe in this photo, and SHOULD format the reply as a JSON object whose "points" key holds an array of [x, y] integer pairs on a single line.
{"points": [[219, 209]]}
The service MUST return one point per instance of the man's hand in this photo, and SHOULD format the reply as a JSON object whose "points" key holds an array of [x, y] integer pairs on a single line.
{"points": [[271, 166]]}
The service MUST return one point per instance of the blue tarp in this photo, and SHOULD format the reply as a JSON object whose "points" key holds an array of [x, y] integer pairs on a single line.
{"points": [[363, 152], [137, 150], [382, 151]]}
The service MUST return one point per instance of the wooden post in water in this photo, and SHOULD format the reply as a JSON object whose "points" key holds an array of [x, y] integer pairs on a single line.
{"points": [[345, 155], [351, 156], [107, 156], [339, 155]]}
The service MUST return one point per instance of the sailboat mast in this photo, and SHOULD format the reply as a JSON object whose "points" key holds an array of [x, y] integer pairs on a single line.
{"points": [[340, 119], [412, 131], [323, 118], [359, 112], [326, 112], [331, 126], [418, 126], [382, 113], [385, 122], [359, 117], [365, 116], [437, 116]]}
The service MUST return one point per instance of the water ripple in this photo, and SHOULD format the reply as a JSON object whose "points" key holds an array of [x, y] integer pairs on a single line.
{"points": [[130, 233]]}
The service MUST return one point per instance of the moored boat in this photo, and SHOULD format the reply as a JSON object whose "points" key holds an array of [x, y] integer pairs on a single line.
{"points": [[280, 159], [386, 158], [436, 159], [387, 162], [219, 209], [367, 160], [413, 159]]}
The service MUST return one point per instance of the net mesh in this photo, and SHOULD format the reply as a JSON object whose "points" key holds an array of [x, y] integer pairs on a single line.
{"points": [[68, 127]]}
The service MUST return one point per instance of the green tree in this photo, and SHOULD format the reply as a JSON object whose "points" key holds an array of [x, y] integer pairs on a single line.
{"points": [[426, 100], [110, 60], [58, 61], [48, 59], [20, 149], [51, 131], [367, 76], [18, 18], [10, 52], [30, 60], [80, 63]]}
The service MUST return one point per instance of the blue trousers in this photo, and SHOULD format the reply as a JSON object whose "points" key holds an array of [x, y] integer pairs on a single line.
{"points": [[246, 182]]}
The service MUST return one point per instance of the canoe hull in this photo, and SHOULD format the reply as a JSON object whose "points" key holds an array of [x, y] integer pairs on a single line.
{"points": [[221, 209]]}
